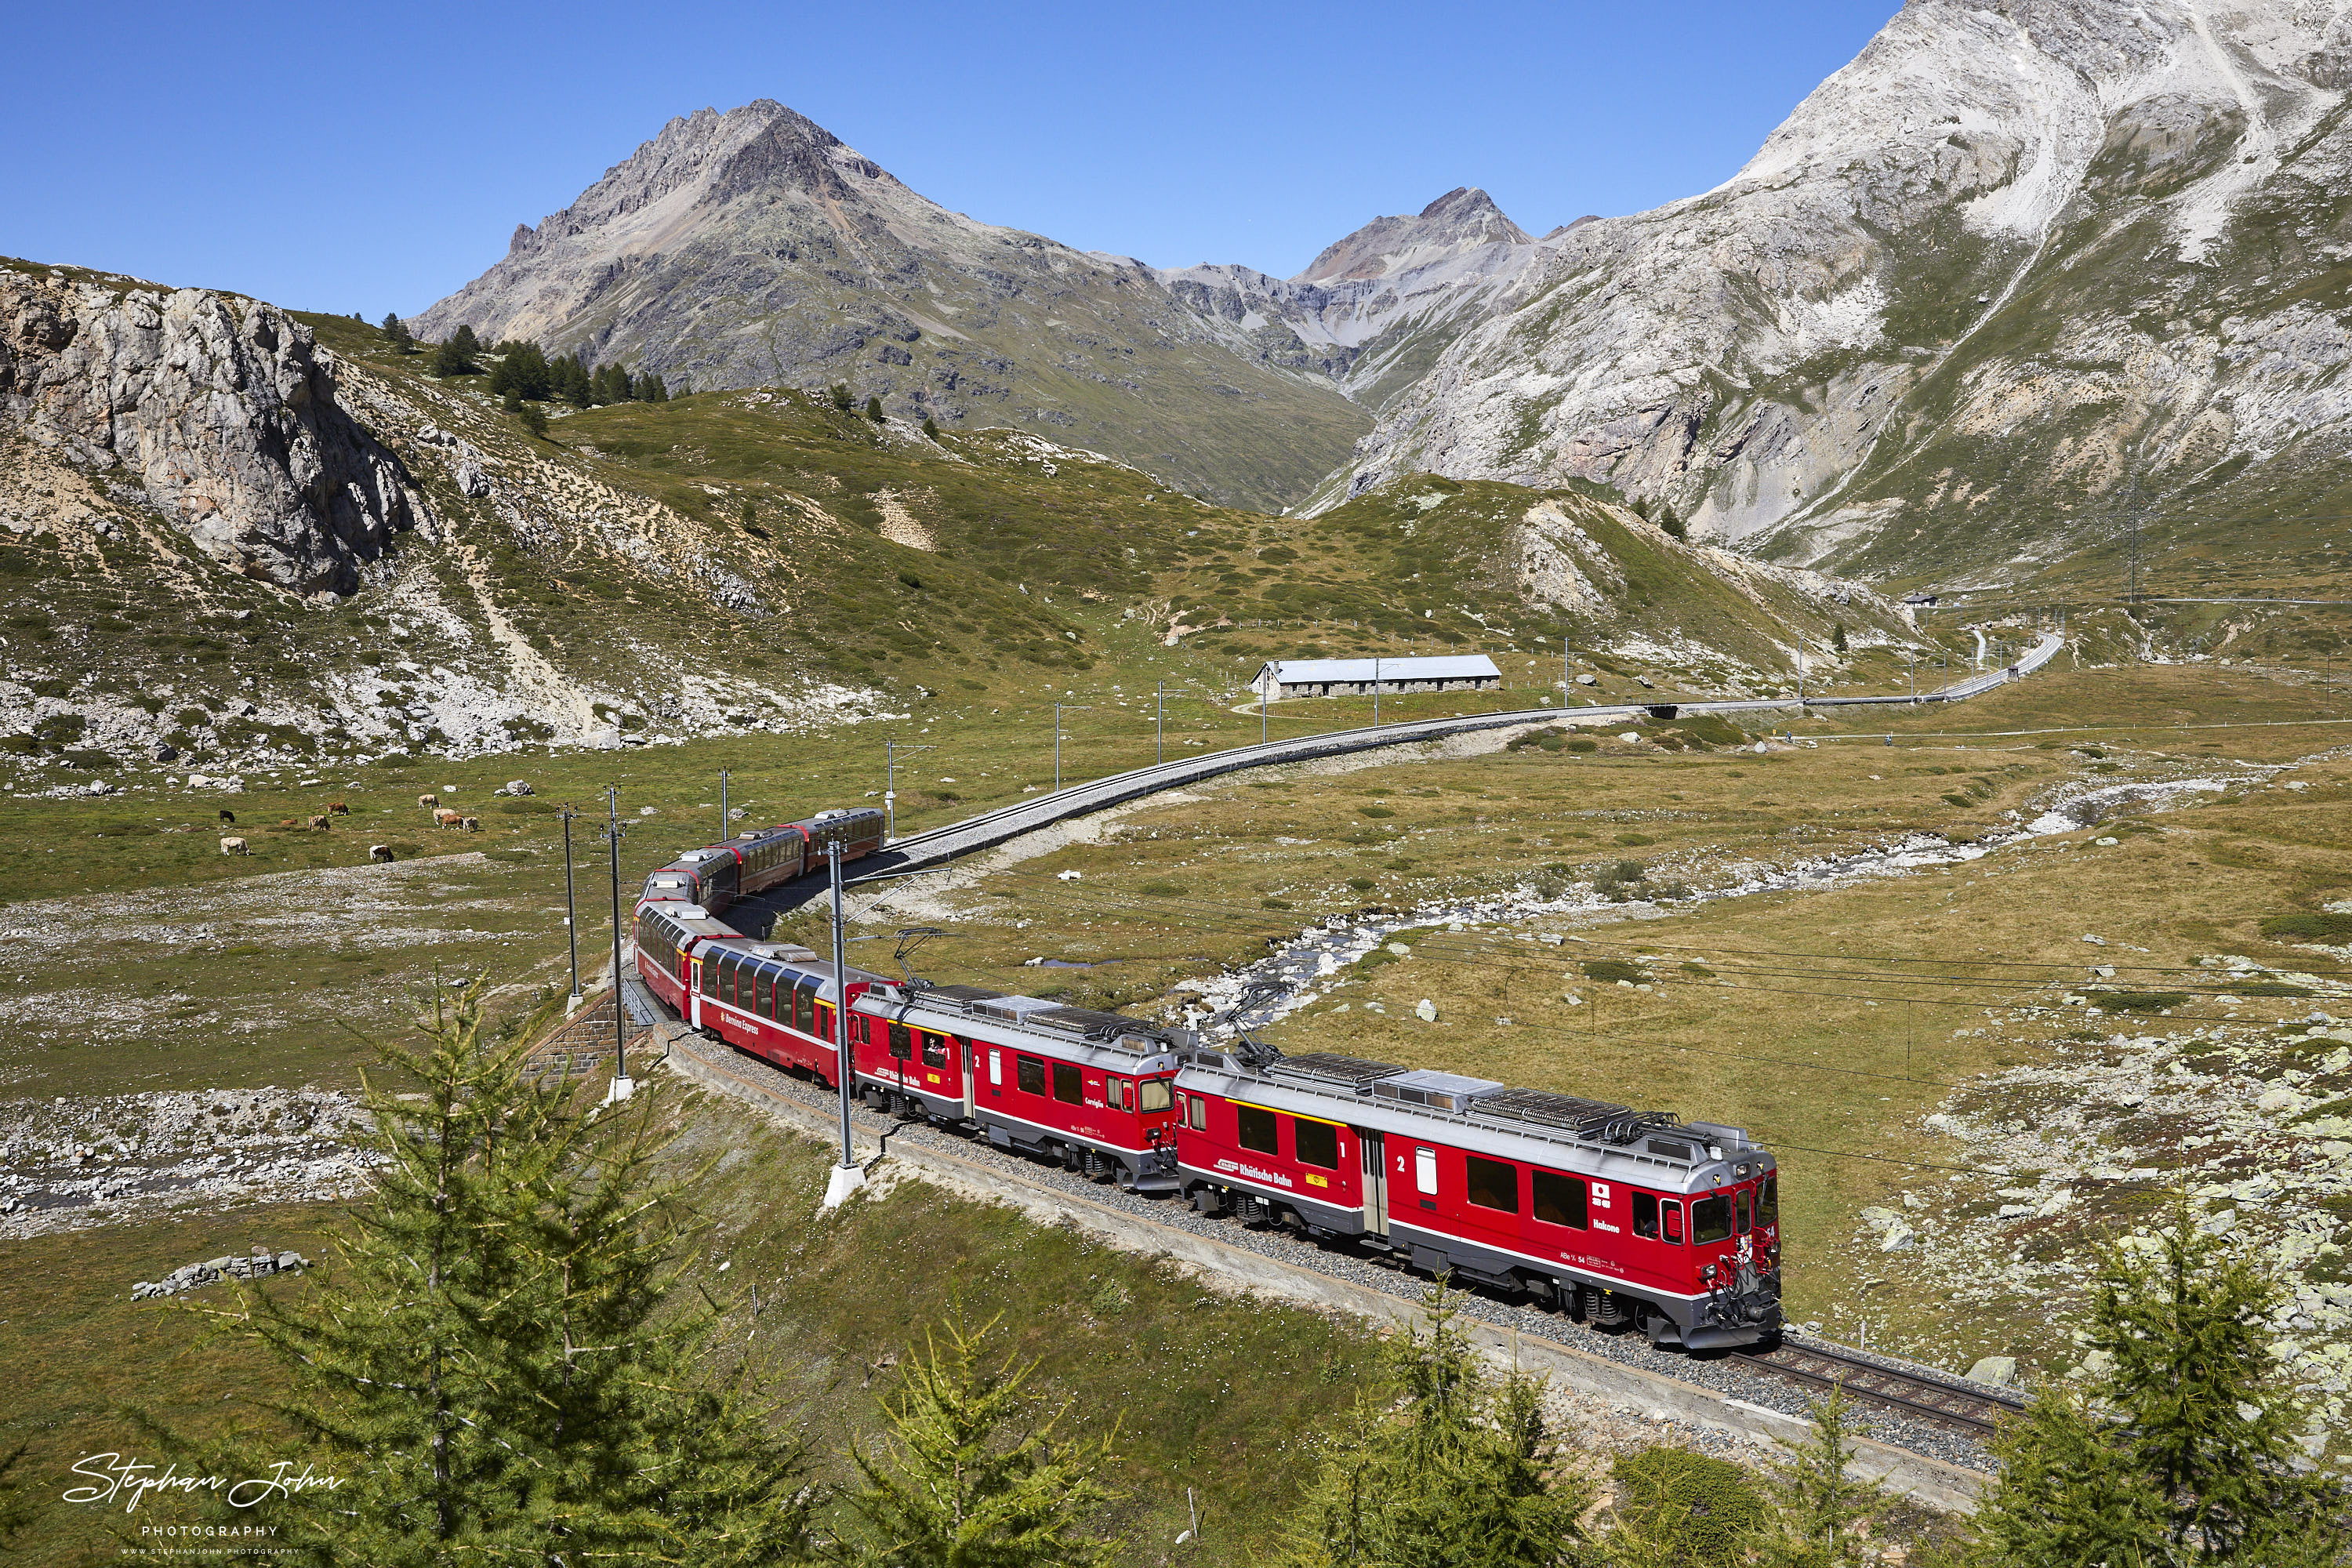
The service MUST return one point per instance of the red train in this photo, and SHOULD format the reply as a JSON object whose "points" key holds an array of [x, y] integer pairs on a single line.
{"points": [[1608, 1213], [715, 876]]}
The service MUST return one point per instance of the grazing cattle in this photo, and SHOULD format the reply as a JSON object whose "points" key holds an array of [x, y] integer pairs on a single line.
{"points": [[285, 822], [380, 852], [428, 801], [234, 847], [470, 824], [337, 809], [444, 817], [229, 817], [318, 823]]}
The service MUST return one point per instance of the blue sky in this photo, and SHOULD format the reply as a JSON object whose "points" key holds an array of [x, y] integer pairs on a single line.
{"points": [[374, 158]]}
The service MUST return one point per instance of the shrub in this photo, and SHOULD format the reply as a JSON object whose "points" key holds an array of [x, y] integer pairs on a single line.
{"points": [[2141, 1001], [1581, 743], [1376, 811], [1274, 904], [2269, 988], [1162, 890], [1636, 839], [2323, 925], [1362, 884], [1609, 971]]}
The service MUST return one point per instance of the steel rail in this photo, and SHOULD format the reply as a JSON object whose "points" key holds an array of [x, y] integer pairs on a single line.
{"points": [[1818, 1365]]}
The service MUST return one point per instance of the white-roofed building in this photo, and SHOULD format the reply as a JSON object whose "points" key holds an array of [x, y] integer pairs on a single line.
{"points": [[1356, 676]]}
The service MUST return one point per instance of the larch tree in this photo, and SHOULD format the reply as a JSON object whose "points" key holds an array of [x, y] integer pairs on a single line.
{"points": [[975, 1472], [491, 1359]]}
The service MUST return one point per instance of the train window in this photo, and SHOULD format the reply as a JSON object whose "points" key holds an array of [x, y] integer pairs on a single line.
{"points": [[900, 1048], [1118, 1094], [1317, 1143], [1670, 1213], [824, 1030], [1155, 1094], [1711, 1220], [1425, 1171], [805, 1010], [710, 980], [1744, 1211], [935, 1050], [1031, 1073], [1070, 1084], [995, 1067], [1494, 1184], [1559, 1200], [766, 992], [1768, 1202], [1256, 1129], [1645, 1215]]}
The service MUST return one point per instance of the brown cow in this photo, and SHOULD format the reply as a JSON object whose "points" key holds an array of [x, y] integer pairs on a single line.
{"points": [[337, 809], [380, 852], [444, 817], [319, 824], [428, 801], [234, 847], [470, 824]]}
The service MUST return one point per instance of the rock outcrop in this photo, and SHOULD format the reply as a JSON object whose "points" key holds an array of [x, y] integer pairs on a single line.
{"points": [[219, 411], [2011, 254]]}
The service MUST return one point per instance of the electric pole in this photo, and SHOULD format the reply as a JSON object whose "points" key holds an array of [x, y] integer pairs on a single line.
{"points": [[571, 904], [890, 750], [1376, 692], [846, 1177], [1060, 709], [1160, 727], [724, 831], [613, 832]]}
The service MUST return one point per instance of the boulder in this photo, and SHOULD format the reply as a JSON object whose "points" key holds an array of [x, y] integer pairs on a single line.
{"points": [[1426, 1010], [1999, 1371]]}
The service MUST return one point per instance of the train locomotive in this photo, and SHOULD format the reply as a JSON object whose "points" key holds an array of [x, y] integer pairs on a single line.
{"points": [[1611, 1214]]}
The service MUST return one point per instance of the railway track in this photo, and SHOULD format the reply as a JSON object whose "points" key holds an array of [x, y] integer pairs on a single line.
{"points": [[937, 846], [1971, 1410]]}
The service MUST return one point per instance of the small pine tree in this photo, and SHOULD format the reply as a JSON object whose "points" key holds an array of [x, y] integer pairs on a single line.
{"points": [[534, 419], [874, 409], [1837, 638], [450, 358], [1821, 1501], [1668, 520], [650, 389], [840, 394], [1676, 1507], [971, 1475], [931, 427], [611, 385], [397, 333], [1464, 1473], [751, 513], [2182, 1449], [486, 1359]]}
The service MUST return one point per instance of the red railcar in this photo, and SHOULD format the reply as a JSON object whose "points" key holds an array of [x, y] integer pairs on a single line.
{"points": [[1091, 1090], [669, 935], [716, 875], [1617, 1214]]}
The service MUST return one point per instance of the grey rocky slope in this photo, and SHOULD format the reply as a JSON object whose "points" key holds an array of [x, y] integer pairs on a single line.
{"points": [[753, 248], [2011, 254], [1373, 310], [216, 413]]}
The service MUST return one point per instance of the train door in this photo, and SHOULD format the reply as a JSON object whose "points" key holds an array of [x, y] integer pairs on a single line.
{"points": [[1376, 1183], [694, 992], [902, 1049], [971, 1068]]}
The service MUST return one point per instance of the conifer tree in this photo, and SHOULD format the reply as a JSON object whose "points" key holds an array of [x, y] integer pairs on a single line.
{"points": [[1837, 636], [486, 1359], [611, 383], [651, 388], [395, 331], [931, 429], [974, 1475], [567, 378], [534, 419], [874, 409], [1822, 1499], [1464, 1476], [467, 344], [450, 358], [523, 370], [839, 391], [2181, 1449]]}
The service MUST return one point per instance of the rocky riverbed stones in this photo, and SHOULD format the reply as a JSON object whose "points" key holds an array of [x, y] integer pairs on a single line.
{"points": [[196, 1276]]}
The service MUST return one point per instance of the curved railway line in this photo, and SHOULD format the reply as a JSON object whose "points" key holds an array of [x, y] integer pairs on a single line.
{"points": [[937, 846]]}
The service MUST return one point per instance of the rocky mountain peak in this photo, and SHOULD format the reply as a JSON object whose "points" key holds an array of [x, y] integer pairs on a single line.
{"points": [[1465, 218]]}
